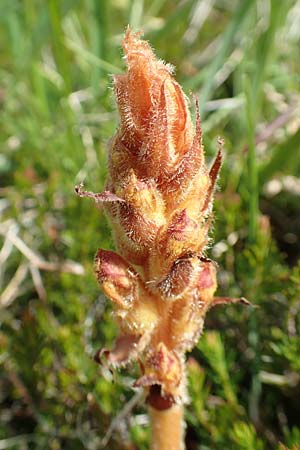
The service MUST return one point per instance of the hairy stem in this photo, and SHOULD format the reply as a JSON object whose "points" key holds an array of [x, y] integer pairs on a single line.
{"points": [[167, 428]]}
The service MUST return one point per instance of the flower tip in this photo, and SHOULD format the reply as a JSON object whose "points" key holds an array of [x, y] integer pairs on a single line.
{"points": [[132, 41]]}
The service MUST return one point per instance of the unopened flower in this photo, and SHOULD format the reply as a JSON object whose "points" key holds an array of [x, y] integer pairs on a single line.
{"points": [[158, 199]]}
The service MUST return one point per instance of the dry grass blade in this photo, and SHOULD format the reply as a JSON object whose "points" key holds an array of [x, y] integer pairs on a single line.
{"points": [[12, 290], [38, 261]]}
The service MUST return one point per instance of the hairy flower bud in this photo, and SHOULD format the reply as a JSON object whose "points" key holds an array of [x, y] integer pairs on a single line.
{"points": [[158, 199], [116, 278]]}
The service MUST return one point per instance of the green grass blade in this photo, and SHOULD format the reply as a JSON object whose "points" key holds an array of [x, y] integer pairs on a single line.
{"points": [[228, 37]]}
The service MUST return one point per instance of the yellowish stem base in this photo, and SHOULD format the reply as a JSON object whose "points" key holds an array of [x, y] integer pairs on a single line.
{"points": [[167, 428]]}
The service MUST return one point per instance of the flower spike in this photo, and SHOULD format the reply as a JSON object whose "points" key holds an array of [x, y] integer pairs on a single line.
{"points": [[158, 200]]}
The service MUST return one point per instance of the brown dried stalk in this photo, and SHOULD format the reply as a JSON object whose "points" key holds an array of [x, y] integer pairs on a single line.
{"points": [[159, 202]]}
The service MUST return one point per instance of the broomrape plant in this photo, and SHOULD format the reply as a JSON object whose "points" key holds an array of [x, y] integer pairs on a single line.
{"points": [[158, 199]]}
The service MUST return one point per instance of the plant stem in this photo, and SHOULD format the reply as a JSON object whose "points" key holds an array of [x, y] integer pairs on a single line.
{"points": [[167, 428]]}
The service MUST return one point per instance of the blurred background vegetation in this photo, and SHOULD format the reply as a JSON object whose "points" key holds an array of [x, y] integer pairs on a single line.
{"points": [[241, 57]]}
